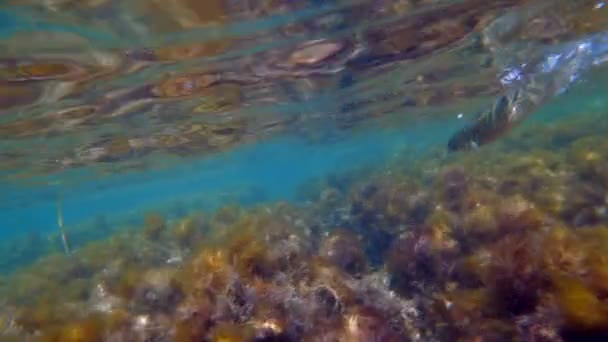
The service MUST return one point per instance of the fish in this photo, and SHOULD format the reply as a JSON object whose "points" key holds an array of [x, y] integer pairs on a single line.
{"points": [[486, 127], [534, 71], [528, 85]]}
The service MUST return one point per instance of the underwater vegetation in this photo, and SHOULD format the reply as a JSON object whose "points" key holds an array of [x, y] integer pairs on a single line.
{"points": [[506, 244]]}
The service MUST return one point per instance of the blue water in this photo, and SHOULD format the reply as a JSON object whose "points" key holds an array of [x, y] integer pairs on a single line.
{"points": [[264, 172], [268, 171]]}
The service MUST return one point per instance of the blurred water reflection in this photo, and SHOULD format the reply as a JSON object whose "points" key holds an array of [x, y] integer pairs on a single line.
{"points": [[118, 85]]}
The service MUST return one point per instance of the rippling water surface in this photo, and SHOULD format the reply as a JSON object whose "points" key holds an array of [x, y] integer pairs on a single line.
{"points": [[108, 87], [112, 87]]}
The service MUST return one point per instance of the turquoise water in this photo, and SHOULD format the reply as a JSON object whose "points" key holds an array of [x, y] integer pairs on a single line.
{"points": [[231, 170], [249, 175]]}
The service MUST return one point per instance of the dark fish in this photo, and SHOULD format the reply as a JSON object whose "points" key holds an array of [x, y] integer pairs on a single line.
{"points": [[529, 85], [486, 127]]}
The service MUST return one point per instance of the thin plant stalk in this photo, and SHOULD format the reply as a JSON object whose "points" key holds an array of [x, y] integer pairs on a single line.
{"points": [[64, 236]]}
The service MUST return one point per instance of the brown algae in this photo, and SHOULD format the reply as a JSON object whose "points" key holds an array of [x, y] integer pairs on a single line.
{"points": [[488, 247]]}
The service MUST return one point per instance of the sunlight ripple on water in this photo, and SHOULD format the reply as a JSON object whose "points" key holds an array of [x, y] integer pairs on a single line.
{"points": [[104, 86]]}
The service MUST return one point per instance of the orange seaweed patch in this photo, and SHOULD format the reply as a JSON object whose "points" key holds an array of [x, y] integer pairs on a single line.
{"points": [[89, 330], [41, 71], [219, 98], [183, 86], [24, 128], [185, 13], [580, 307], [228, 332], [206, 11], [181, 52], [44, 70]]}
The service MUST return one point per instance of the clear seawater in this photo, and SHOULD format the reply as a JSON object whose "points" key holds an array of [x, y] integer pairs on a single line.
{"points": [[329, 119]]}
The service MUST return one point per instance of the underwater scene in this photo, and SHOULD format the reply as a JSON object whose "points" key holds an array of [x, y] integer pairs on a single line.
{"points": [[312, 170]]}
